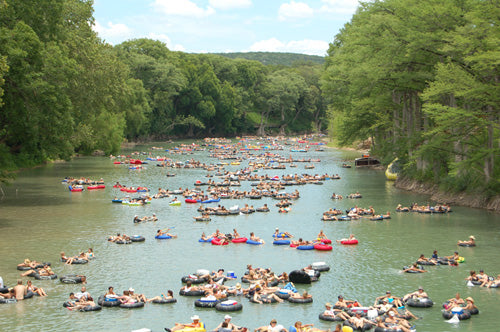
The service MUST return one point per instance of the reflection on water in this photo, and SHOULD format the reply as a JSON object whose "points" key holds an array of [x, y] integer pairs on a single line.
{"points": [[39, 217]]}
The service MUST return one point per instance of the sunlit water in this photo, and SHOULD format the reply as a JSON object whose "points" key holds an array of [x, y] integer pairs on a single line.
{"points": [[39, 218]]}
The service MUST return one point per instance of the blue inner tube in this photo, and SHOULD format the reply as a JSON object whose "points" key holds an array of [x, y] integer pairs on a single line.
{"points": [[281, 242], [305, 247], [253, 242], [281, 235], [163, 237], [207, 240]]}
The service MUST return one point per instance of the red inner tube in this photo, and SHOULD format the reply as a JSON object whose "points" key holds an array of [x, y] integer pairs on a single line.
{"points": [[218, 242], [349, 242], [324, 247], [239, 240]]}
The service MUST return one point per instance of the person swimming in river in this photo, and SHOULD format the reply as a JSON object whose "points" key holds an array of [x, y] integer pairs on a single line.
{"points": [[351, 237], [471, 242], [161, 232]]}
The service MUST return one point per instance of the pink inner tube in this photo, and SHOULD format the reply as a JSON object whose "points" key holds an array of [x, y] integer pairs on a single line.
{"points": [[348, 242], [293, 245], [218, 242], [239, 240], [326, 241], [324, 247]]}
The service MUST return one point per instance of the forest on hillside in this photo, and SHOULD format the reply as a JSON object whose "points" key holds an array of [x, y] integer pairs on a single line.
{"points": [[422, 80], [275, 58], [64, 91]]}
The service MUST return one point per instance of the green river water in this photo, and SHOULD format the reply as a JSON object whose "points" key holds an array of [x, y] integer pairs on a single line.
{"points": [[39, 218]]}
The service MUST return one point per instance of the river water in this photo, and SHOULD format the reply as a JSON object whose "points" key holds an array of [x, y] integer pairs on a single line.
{"points": [[39, 218]]}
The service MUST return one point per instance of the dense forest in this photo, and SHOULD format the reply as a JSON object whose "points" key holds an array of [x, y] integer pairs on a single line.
{"points": [[64, 91], [421, 79], [275, 58]]}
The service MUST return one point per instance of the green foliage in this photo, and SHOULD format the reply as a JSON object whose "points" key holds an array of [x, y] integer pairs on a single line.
{"points": [[421, 78], [276, 58]]}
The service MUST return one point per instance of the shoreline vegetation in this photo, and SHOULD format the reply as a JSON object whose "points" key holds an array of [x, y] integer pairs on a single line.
{"points": [[426, 96]]}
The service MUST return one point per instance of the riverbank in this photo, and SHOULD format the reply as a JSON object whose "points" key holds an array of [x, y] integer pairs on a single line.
{"points": [[462, 199]]}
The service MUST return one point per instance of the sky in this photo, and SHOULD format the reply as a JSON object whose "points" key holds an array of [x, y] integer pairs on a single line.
{"points": [[200, 26]]}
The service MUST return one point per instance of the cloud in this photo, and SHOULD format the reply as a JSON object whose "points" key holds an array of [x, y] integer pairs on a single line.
{"points": [[164, 38], [111, 30], [306, 46], [294, 10], [230, 4], [182, 8], [339, 6]]}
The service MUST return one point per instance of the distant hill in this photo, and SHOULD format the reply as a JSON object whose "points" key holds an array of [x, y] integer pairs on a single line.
{"points": [[275, 58]]}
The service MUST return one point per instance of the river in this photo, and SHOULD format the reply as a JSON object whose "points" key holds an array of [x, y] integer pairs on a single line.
{"points": [[39, 217]]}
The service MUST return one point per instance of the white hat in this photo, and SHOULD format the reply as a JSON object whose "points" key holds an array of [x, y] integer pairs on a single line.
{"points": [[227, 317], [195, 317], [130, 289], [277, 228]]}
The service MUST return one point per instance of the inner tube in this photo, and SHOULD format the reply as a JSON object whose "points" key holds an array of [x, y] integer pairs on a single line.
{"points": [[137, 238], [411, 271], [349, 242], [91, 308], [6, 301], [192, 292], [326, 241], [228, 306], [207, 240], [163, 237], [282, 294], [193, 281], [71, 279], [253, 242], [164, 301], [466, 245], [123, 242], [329, 318], [281, 236], [108, 302], [265, 299], [320, 266], [299, 277], [295, 300], [132, 305], [240, 240], [202, 303], [387, 329], [4, 290], [305, 247], [39, 277], [76, 261], [219, 242], [323, 247], [423, 302], [365, 327], [281, 242], [462, 316]]}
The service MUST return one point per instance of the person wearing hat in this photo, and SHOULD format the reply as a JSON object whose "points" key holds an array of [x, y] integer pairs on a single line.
{"points": [[195, 324], [227, 326], [344, 304], [137, 219], [154, 218], [420, 293], [470, 304], [468, 243], [237, 290], [272, 327], [137, 297], [395, 301], [331, 312]]}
